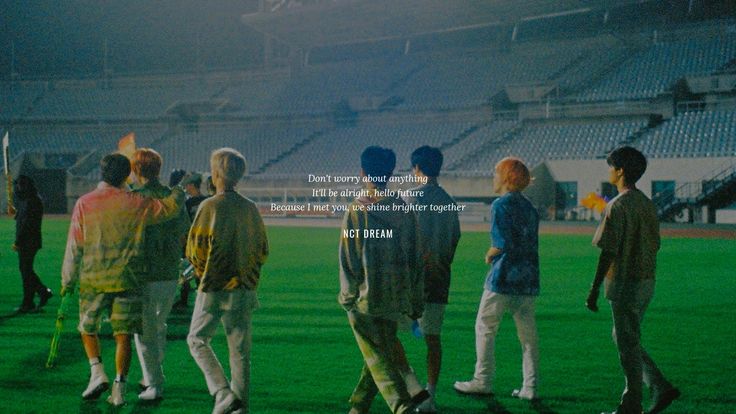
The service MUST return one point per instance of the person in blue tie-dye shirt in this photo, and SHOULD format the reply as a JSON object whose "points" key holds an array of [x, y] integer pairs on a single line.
{"points": [[512, 283]]}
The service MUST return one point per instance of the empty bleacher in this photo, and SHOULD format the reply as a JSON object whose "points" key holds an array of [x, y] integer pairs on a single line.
{"points": [[17, 98], [457, 80], [693, 134], [655, 69], [338, 151], [191, 149], [78, 139], [537, 142]]}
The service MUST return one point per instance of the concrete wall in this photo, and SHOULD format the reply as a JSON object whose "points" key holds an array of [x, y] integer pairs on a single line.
{"points": [[726, 216]]}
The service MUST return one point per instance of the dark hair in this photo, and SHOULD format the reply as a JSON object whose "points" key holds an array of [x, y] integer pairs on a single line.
{"points": [[378, 164], [176, 176], [428, 160], [24, 187], [115, 169], [631, 160]]}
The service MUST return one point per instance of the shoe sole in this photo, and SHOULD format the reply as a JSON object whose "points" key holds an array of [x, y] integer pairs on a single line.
{"points": [[517, 394], [97, 392], [475, 393]]}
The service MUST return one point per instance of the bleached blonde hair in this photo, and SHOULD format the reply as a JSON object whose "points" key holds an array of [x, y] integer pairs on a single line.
{"points": [[229, 164]]}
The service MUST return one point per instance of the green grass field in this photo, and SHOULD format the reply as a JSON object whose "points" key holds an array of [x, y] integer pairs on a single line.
{"points": [[305, 359]]}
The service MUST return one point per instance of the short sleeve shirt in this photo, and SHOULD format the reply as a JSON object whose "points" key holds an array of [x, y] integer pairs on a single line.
{"points": [[629, 231], [514, 230]]}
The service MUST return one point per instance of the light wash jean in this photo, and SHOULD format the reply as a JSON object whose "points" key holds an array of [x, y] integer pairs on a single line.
{"points": [[157, 298], [490, 312], [234, 309]]}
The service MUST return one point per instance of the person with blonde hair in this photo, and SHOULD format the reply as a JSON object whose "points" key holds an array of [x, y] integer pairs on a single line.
{"points": [[162, 249], [512, 284], [227, 246]]}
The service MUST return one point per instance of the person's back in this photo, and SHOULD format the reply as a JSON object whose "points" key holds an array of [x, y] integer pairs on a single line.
{"points": [[515, 271], [628, 236], [238, 246], [104, 255], [227, 245], [112, 223], [379, 281], [634, 241], [436, 252], [377, 249], [163, 241]]}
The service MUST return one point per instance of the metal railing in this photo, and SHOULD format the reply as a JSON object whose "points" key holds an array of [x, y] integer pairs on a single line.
{"points": [[694, 192]]}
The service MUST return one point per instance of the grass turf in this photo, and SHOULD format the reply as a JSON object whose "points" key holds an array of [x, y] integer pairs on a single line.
{"points": [[305, 360]]}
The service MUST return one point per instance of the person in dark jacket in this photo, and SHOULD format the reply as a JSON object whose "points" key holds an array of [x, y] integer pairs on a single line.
{"points": [[28, 215]]}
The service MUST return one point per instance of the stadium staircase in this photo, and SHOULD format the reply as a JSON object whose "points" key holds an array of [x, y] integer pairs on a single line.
{"points": [[488, 147], [313, 136], [716, 191], [632, 139], [598, 72], [461, 136]]}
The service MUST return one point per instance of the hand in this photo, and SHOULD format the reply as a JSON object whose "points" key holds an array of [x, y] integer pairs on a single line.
{"points": [[592, 301], [11, 210], [489, 256], [14, 247]]}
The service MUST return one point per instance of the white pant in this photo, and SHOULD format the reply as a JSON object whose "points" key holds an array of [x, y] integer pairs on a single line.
{"points": [[234, 308], [492, 307], [157, 297]]}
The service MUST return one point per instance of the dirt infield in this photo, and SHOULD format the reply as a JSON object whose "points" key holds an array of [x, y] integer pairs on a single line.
{"points": [[698, 231]]}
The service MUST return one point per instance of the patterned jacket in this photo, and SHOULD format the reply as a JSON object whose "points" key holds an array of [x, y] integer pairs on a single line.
{"points": [[379, 275], [227, 243], [105, 244]]}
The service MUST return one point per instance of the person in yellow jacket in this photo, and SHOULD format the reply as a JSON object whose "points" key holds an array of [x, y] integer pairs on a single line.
{"points": [[227, 245]]}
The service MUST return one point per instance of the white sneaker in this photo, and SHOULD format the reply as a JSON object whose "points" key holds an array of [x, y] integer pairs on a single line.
{"points": [[225, 402], [524, 394], [151, 393], [427, 406], [117, 394], [97, 385], [472, 387]]}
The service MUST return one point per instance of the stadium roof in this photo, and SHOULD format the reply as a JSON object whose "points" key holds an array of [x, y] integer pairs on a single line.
{"points": [[348, 21]]}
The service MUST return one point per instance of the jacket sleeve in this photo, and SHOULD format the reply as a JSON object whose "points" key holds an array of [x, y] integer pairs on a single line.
{"points": [[416, 268], [70, 269], [264, 250], [350, 256], [160, 209], [199, 241]]}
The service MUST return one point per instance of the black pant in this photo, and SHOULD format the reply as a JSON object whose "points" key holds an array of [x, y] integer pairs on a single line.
{"points": [[31, 282]]}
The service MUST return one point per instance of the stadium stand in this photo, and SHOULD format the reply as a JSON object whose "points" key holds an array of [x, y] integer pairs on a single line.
{"points": [[190, 149], [338, 151], [536, 142], [693, 134], [654, 70], [456, 80], [140, 101], [18, 98], [68, 139]]}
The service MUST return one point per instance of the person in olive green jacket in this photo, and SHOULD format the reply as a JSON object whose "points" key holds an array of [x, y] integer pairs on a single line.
{"points": [[162, 249]]}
